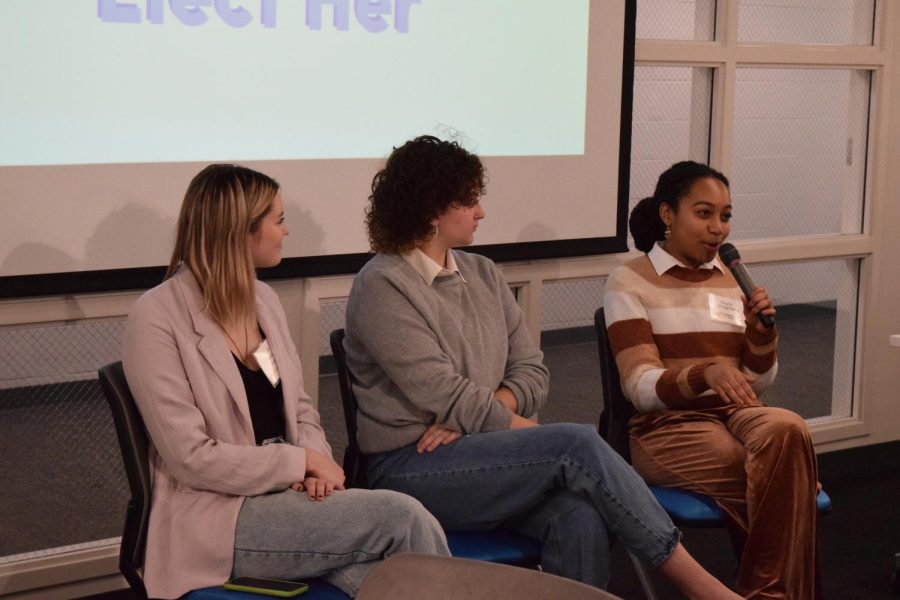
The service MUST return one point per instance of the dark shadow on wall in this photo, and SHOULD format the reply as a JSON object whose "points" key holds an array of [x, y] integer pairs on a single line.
{"points": [[132, 236], [305, 232]]}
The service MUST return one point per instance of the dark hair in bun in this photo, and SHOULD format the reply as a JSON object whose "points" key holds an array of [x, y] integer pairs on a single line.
{"points": [[645, 225]]}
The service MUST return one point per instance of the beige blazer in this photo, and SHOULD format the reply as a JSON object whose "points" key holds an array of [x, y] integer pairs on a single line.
{"points": [[203, 456]]}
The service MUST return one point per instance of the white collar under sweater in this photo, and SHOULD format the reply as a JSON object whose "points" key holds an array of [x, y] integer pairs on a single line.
{"points": [[662, 261], [428, 269]]}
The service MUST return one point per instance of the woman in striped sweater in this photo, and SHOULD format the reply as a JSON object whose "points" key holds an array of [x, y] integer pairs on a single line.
{"points": [[694, 358]]}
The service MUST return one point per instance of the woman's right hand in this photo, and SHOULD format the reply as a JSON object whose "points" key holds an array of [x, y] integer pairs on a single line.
{"points": [[316, 489], [731, 384], [321, 466], [519, 422], [434, 436]]}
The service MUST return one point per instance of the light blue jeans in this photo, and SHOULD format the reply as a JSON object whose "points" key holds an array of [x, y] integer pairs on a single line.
{"points": [[285, 535], [560, 483]]}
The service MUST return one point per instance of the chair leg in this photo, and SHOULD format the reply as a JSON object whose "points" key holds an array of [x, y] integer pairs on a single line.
{"points": [[643, 576]]}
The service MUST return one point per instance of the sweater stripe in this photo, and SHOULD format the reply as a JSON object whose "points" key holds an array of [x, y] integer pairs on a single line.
{"points": [[626, 334], [699, 344]]}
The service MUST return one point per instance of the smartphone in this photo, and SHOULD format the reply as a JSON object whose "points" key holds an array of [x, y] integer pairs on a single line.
{"points": [[270, 587]]}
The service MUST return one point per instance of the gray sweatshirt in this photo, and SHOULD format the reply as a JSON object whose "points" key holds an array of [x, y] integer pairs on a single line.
{"points": [[425, 354]]}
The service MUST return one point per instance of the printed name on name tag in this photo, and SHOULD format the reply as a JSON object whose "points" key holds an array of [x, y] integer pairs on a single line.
{"points": [[726, 310]]}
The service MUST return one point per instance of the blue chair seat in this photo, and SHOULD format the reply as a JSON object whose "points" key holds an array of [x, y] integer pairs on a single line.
{"points": [[318, 590], [697, 510], [495, 546]]}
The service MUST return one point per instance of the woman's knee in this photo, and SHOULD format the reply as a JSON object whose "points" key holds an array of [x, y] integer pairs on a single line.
{"points": [[388, 522], [408, 521], [585, 444], [786, 425], [395, 508], [579, 435], [393, 504]]}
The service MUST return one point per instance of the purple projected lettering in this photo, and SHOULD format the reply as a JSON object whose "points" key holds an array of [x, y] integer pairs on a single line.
{"points": [[189, 12], [236, 17], [368, 13], [113, 12], [372, 15]]}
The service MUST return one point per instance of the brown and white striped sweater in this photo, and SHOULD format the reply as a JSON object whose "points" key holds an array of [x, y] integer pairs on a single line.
{"points": [[663, 337]]}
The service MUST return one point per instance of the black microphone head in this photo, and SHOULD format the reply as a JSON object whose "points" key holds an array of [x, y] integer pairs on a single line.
{"points": [[729, 254]]}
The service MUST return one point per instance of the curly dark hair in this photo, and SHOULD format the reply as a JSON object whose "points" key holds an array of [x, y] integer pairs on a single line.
{"points": [[419, 181], [645, 224]]}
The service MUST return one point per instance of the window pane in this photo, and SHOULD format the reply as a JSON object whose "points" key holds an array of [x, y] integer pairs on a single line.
{"points": [[570, 350], [670, 122], [331, 317], [807, 21], [64, 485], [570, 305], [817, 305], [676, 19], [800, 140]]}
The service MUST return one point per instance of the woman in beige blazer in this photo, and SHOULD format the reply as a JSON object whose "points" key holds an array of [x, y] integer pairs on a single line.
{"points": [[243, 479]]}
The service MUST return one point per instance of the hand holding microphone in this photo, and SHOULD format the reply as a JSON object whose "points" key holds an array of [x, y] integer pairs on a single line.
{"points": [[758, 299]]}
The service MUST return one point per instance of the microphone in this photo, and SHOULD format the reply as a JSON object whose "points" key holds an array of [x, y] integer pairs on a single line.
{"points": [[732, 259]]}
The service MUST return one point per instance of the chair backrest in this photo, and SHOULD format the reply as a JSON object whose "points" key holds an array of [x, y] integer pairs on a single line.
{"points": [[133, 444], [354, 460], [617, 410]]}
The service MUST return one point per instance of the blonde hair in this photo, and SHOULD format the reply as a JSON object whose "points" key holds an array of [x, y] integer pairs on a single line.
{"points": [[222, 206]]}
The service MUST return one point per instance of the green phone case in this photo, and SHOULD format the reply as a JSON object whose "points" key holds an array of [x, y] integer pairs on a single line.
{"points": [[300, 589]]}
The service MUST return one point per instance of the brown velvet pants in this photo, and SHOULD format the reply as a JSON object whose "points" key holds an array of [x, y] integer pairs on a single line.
{"points": [[759, 465]]}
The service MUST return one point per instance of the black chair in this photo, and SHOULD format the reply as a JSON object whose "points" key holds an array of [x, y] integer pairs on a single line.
{"points": [[685, 508], [498, 546], [133, 443], [354, 461]]}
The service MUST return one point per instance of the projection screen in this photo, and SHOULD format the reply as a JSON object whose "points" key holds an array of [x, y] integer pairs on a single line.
{"points": [[109, 107]]}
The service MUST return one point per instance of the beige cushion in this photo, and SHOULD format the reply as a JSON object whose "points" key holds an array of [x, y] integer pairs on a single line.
{"points": [[422, 577]]}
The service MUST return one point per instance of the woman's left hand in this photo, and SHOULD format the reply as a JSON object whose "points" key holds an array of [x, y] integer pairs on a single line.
{"points": [[434, 436], [316, 489], [758, 303]]}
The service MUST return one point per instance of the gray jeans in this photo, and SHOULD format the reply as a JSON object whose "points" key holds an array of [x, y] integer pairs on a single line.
{"points": [[284, 535]]}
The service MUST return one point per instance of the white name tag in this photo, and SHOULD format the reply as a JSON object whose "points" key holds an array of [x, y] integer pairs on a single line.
{"points": [[726, 310], [266, 362]]}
